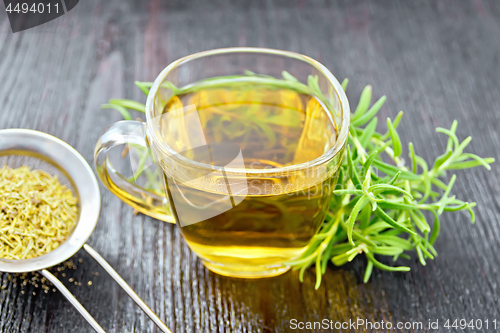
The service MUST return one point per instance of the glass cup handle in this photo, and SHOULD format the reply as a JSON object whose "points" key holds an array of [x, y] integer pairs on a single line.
{"points": [[142, 200]]}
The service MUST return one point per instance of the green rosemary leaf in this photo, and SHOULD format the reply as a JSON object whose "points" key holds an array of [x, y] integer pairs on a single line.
{"points": [[368, 162], [470, 164], [441, 159], [467, 165], [319, 274], [396, 142], [129, 104], [432, 249], [397, 119], [446, 193], [471, 211], [395, 123], [395, 178], [383, 145], [340, 248], [302, 271], [419, 220], [368, 272], [341, 259], [352, 131], [391, 170], [396, 232], [147, 85], [375, 228], [345, 83], [289, 77], [396, 205], [413, 158], [123, 111], [350, 205], [302, 261], [352, 254], [352, 169], [379, 265], [326, 256], [389, 220], [455, 208], [452, 137], [364, 102], [394, 241], [370, 113], [420, 256], [313, 83], [404, 256], [425, 251], [422, 163], [387, 250], [438, 183], [342, 192], [352, 218], [175, 91], [365, 217], [144, 88], [380, 188], [453, 129], [368, 132], [458, 151]]}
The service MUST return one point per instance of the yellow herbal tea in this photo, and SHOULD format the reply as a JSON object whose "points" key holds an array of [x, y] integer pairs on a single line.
{"points": [[267, 219]]}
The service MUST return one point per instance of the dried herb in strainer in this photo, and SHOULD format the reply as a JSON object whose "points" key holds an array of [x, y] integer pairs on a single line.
{"points": [[37, 213]]}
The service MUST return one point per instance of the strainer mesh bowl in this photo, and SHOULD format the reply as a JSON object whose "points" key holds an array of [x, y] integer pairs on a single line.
{"points": [[40, 151], [36, 163]]}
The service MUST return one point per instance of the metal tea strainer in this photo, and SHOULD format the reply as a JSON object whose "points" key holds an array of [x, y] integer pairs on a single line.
{"points": [[41, 151]]}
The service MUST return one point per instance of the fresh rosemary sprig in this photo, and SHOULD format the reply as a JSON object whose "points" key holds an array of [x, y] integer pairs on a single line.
{"points": [[379, 211], [379, 208]]}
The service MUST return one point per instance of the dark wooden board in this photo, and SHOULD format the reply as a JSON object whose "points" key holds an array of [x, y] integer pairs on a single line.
{"points": [[436, 60]]}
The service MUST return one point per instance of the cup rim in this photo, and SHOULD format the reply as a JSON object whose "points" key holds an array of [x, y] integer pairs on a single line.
{"points": [[325, 157]]}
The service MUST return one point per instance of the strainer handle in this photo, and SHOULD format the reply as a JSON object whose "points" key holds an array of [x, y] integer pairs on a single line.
{"points": [[58, 284], [130, 133], [127, 288]]}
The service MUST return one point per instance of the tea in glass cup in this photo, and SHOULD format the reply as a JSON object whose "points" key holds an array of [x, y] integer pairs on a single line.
{"points": [[249, 142]]}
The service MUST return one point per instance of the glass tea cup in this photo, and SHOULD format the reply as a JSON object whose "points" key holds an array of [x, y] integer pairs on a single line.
{"points": [[248, 142]]}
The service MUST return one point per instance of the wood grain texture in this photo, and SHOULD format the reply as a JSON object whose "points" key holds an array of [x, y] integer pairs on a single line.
{"points": [[436, 60]]}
